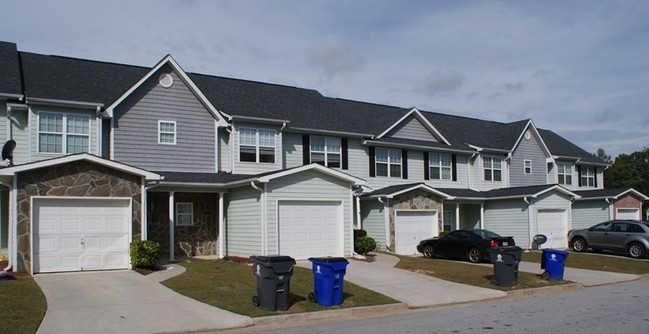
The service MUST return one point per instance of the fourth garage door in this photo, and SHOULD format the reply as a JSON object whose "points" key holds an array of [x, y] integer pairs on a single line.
{"points": [[80, 234], [310, 229]]}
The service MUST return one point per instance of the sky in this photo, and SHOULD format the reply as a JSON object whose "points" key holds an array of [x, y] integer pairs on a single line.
{"points": [[578, 68]]}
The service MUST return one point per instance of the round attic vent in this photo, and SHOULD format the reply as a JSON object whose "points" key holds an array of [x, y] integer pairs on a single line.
{"points": [[528, 134], [166, 80]]}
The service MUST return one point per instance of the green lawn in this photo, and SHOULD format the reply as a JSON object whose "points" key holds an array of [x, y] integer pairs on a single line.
{"points": [[601, 262], [231, 286], [22, 306]]}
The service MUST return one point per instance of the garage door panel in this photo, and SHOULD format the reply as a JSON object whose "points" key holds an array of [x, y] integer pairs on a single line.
{"points": [[628, 214], [552, 224], [412, 227], [309, 229]]}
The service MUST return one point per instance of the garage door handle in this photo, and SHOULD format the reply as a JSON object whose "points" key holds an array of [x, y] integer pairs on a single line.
{"points": [[82, 243]]}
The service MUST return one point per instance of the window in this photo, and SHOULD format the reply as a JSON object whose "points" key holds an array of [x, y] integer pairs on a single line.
{"points": [[257, 145], [325, 151], [565, 173], [167, 132], [53, 136], [388, 162], [587, 176], [527, 166], [184, 214], [492, 168], [447, 224], [440, 166]]}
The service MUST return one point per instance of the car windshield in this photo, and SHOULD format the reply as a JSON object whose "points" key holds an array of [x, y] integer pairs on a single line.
{"points": [[486, 234]]}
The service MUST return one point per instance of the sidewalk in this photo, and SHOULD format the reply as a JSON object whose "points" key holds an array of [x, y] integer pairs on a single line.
{"points": [[582, 276]]}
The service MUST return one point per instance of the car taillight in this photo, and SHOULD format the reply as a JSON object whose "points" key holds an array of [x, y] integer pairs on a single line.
{"points": [[493, 244]]}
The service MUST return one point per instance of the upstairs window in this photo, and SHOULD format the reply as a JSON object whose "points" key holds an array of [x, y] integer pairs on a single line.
{"points": [[63, 133], [325, 151], [441, 166], [587, 177], [167, 132], [565, 173], [388, 162], [527, 166], [492, 167], [256, 145]]}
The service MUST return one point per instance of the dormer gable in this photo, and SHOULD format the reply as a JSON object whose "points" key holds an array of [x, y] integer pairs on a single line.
{"points": [[530, 132], [414, 126]]}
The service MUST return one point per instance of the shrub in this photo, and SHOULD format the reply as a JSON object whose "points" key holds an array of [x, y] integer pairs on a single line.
{"points": [[359, 233], [364, 245], [144, 253]]}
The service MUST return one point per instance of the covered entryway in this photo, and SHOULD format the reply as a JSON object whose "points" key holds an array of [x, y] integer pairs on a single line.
{"points": [[76, 234], [412, 227], [628, 214], [310, 229], [552, 224]]}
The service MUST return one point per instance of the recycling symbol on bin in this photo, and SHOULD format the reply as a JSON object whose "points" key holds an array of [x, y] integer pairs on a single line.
{"points": [[258, 272], [554, 257], [499, 258], [317, 269]]}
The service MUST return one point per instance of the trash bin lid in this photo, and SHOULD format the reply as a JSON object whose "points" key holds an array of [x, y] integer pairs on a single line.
{"points": [[328, 259], [268, 259]]}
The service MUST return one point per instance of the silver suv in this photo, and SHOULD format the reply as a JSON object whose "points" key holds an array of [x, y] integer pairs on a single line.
{"points": [[630, 236]]}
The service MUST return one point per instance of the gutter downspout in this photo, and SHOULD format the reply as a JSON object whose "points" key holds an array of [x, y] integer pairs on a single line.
{"points": [[611, 211], [263, 215], [221, 228], [358, 213], [172, 223], [11, 230], [530, 217]]}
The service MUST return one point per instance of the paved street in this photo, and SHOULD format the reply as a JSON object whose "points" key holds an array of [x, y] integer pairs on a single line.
{"points": [[602, 309]]}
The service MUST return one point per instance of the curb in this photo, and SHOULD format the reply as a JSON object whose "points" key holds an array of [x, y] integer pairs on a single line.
{"points": [[353, 312], [543, 291]]}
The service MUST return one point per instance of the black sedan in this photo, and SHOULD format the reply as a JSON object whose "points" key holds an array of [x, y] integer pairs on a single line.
{"points": [[469, 244]]}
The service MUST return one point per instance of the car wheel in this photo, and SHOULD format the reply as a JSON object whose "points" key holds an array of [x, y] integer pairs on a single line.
{"points": [[429, 251], [579, 245], [474, 255], [636, 250]]}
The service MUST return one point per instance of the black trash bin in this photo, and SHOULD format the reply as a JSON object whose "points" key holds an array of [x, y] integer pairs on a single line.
{"points": [[273, 281], [505, 261]]}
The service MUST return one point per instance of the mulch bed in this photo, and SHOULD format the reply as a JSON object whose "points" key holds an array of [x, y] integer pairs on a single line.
{"points": [[4, 263], [146, 270]]}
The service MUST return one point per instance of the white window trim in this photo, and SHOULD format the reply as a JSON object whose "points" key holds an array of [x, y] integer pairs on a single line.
{"points": [[64, 131], [565, 175], [258, 145], [492, 168], [527, 164], [440, 167], [190, 214], [326, 151], [389, 163], [588, 173], [160, 132]]}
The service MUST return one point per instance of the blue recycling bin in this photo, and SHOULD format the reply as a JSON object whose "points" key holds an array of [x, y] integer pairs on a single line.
{"points": [[554, 263], [328, 279]]}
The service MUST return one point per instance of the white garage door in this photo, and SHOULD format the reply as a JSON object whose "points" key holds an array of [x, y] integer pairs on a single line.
{"points": [[553, 224], [310, 229], [80, 234], [628, 214], [412, 227]]}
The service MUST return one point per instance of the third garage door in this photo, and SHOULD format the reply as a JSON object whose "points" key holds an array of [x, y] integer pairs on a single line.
{"points": [[310, 229]]}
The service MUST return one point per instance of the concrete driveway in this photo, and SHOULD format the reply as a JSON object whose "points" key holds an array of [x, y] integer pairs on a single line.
{"points": [[124, 302]]}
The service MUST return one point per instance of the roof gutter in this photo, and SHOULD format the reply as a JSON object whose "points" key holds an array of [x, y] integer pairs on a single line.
{"points": [[418, 147], [329, 132], [36, 100], [19, 97]]}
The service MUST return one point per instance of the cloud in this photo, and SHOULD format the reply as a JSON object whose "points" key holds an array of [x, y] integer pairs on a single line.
{"points": [[443, 82], [335, 56]]}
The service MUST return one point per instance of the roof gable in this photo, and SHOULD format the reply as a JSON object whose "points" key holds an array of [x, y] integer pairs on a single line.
{"points": [[392, 191], [267, 177], [169, 61], [414, 125], [533, 131]]}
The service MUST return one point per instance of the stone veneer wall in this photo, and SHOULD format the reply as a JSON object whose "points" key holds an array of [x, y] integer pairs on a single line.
{"points": [[75, 179], [196, 240], [414, 200]]}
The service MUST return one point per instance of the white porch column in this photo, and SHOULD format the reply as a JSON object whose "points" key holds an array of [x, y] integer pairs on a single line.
{"points": [[172, 218], [221, 228], [457, 216], [358, 212], [482, 215]]}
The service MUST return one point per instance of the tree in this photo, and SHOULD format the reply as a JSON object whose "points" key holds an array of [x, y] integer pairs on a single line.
{"points": [[630, 171], [602, 155]]}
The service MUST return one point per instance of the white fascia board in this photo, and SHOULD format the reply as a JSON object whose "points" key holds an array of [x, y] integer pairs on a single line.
{"points": [[327, 132], [316, 167], [633, 191], [168, 59], [421, 119], [559, 189], [149, 176], [18, 97], [416, 147], [420, 186], [66, 103]]}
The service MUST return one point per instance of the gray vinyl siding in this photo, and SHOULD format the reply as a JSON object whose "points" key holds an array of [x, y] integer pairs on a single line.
{"points": [[588, 213], [136, 128], [33, 128], [461, 173], [19, 131], [224, 151], [411, 128], [292, 149], [373, 218], [243, 222], [358, 159], [508, 218], [528, 149], [255, 167], [308, 186]]}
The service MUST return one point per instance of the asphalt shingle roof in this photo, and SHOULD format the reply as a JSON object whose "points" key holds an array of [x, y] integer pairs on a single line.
{"points": [[10, 81], [599, 193]]}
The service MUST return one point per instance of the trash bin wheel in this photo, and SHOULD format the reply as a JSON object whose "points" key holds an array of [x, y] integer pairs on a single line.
{"points": [[312, 297], [255, 300], [545, 275], [494, 280]]}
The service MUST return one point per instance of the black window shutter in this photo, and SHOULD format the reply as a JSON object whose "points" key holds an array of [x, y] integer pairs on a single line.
{"points": [[306, 150], [372, 162], [579, 175], [595, 176], [454, 167], [426, 167], [343, 148], [404, 164]]}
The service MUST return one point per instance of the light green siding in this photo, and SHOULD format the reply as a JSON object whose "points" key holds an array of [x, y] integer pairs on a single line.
{"points": [[243, 222], [292, 152], [245, 167], [373, 218], [588, 213], [224, 149], [508, 218]]}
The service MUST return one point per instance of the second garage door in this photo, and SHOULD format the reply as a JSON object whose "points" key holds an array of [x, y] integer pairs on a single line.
{"points": [[412, 227], [310, 229], [80, 234]]}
